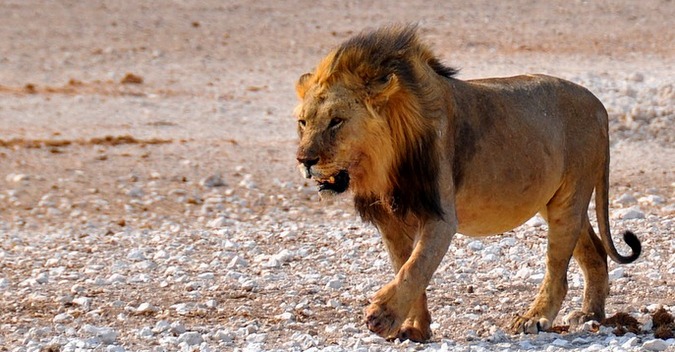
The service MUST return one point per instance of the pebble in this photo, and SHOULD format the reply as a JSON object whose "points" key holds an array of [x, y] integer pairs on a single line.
{"points": [[475, 245], [616, 273], [625, 199], [655, 345], [105, 334], [191, 338], [213, 181], [629, 213], [146, 308]]}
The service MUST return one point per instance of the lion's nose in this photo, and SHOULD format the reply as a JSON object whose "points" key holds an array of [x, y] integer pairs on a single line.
{"points": [[307, 161]]}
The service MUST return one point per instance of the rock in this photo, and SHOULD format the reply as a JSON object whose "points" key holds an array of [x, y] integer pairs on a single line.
{"points": [[212, 181], [335, 284], [146, 308], [625, 199], [537, 278], [629, 213], [652, 199], [136, 255], [247, 182], [177, 328], [223, 336], [136, 192], [4, 283], [146, 332], [475, 245], [191, 338], [105, 334], [237, 262], [616, 273], [220, 221], [560, 343], [536, 221], [62, 318], [655, 345]]}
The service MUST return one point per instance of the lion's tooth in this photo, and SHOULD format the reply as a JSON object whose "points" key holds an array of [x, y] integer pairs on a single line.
{"points": [[331, 179]]}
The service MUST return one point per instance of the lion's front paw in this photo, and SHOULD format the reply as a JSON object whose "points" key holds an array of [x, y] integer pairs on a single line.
{"points": [[382, 320], [578, 317], [529, 325], [409, 332]]}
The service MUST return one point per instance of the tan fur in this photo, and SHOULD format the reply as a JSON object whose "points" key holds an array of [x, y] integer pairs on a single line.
{"points": [[429, 155]]}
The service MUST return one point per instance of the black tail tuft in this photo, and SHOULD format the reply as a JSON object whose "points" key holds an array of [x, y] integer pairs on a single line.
{"points": [[634, 243]]}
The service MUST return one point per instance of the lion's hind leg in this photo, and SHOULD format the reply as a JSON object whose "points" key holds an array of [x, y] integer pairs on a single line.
{"points": [[592, 258], [565, 216]]}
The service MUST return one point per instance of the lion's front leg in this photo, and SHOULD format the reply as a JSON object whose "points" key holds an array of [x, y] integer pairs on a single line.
{"points": [[391, 305]]}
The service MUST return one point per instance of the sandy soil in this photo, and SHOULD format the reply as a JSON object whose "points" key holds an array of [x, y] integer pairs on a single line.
{"points": [[211, 94]]}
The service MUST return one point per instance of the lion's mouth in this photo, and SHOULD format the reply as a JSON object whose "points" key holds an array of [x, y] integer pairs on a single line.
{"points": [[337, 184]]}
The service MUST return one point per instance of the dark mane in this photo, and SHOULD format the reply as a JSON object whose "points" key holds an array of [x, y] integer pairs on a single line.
{"points": [[388, 50], [397, 50]]}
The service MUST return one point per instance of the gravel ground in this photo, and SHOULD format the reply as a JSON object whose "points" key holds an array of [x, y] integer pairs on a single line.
{"points": [[188, 228]]}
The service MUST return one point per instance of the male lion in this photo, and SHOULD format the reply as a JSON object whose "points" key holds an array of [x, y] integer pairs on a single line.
{"points": [[427, 155]]}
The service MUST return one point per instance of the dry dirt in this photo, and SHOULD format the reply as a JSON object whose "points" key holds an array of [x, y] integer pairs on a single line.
{"points": [[117, 117]]}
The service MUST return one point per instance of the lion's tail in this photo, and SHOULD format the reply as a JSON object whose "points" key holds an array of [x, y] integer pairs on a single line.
{"points": [[602, 213]]}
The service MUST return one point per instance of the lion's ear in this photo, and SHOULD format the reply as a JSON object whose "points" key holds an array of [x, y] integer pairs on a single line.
{"points": [[302, 85], [379, 91]]}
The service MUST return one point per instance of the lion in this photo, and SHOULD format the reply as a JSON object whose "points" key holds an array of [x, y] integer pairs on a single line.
{"points": [[426, 155]]}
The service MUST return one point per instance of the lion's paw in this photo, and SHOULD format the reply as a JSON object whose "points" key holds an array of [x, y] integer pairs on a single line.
{"points": [[578, 317], [409, 332], [382, 320], [529, 325]]}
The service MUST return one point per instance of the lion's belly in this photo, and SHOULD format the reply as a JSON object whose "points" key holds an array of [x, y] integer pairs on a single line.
{"points": [[508, 196]]}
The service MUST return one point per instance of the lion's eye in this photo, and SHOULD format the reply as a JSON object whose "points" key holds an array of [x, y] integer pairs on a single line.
{"points": [[335, 122]]}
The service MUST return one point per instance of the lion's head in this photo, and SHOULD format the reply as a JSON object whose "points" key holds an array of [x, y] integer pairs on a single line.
{"points": [[368, 120]]}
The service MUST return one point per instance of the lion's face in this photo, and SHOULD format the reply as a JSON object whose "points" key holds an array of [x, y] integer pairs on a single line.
{"points": [[332, 126]]}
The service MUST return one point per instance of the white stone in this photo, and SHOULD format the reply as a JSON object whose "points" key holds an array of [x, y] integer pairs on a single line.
{"points": [[84, 302], [224, 336], [630, 213], [161, 326], [176, 328], [655, 345], [146, 308], [287, 316], [116, 278], [537, 278], [475, 245], [625, 199], [146, 332], [136, 255], [191, 338], [237, 262], [631, 342], [4, 283], [212, 181], [536, 221], [335, 284], [105, 334], [220, 221], [560, 343], [616, 273], [652, 199], [62, 318]]}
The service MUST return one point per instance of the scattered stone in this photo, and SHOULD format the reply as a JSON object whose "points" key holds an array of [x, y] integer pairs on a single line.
{"points": [[191, 338], [629, 213], [625, 199], [616, 273], [146, 308], [105, 334], [213, 181], [655, 345]]}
